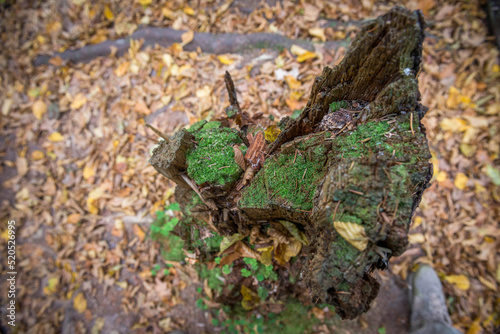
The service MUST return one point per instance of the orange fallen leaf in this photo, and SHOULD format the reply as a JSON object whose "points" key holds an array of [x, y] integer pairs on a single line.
{"points": [[141, 107], [73, 218], [225, 60], [187, 37], [318, 32], [461, 181], [306, 56], [122, 68], [139, 232], [88, 172], [188, 10], [108, 14], [37, 155], [292, 82]]}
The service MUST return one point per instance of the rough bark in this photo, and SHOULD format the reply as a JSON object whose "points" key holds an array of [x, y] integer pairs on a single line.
{"points": [[344, 196]]}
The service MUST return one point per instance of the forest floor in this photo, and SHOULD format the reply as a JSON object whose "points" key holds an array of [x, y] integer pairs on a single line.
{"points": [[74, 154]]}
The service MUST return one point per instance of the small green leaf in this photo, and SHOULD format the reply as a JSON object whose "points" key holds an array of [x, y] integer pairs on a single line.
{"points": [[494, 174], [381, 330], [226, 269], [245, 272], [217, 260]]}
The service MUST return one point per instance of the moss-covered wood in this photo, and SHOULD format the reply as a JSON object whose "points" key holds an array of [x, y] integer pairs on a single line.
{"points": [[327, 207]]}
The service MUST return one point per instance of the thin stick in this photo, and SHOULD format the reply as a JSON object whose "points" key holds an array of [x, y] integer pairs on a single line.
{"points": [[356, 192], [224, 167], [158, 132], [295, 157], [304, 174], [411, 124], [335, 211]]}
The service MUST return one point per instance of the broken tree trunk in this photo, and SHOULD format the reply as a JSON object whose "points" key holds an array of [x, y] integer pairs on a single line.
{"points": [[336, 190]]}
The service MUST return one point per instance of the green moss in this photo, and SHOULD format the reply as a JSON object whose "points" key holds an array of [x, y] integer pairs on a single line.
{"points": [[197, 126], [231, 111], [211, 125], [212, 160], [344, 252], [283, 181], [334, 106]]}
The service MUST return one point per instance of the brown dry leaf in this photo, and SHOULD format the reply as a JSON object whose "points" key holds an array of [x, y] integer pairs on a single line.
{"points": [[297, 50], [187, 37], [80, 303], [78, 101], [238, 157], [488, 283], [266, 258], [426, 5], [73, 218], [141, 107], [139, 232], [292, 249], [294, 231], [39, 109], [352, 233], [22, 166]]}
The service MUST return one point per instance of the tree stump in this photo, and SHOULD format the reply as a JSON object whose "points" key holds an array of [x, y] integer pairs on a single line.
{"points": [[327, 202]]}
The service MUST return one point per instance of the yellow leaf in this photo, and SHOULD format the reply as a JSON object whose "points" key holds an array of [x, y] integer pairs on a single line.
{"points": [[468, 150], [229, 241], [92, 197], [187, 37], [292, 249], [352, 233], [51, 287], [139, 232], [272, 133], [80, 303], [168, 13], [497, 274], [417, 221], [188, 10], [266, 258], [56, 137], [294, 231], [122, 69], [297, 50], [417, 238], [145, 2], [454, 125], [78, 101], [108, 13], [39, 109], [318, 32], [461, 181], [250, 298], [53, 27], [205, 91], [37, 155], [88, 172], [225, 60], [487, 283], [461, 281], [292, 82], [306, 56], [495, 68], [475, 327], [441, 176], [5, 234], [453, 98]]}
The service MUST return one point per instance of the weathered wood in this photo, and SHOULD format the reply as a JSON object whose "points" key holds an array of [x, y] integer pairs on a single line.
{"points": [[341, 183]]}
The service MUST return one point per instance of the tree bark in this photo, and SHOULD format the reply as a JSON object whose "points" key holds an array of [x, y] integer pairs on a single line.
{"points": [[338, 187]]}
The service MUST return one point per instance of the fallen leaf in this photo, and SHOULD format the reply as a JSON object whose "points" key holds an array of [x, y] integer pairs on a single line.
{"points": [[37, 155], [461, 281], [417, 238], [145, 2], [352, 233], [461, 181], [88, 172], [78, 101], [139, 232], [475, 327], [426, 5], [229, 241], [272, 133], [80, 303], [142, 107], [487, 283], [306, 56], [266, 257], [188, 10], [454, 125], [250, 298], [7, 103], [51, 287], [297, 50], [294, 231], [187, 37], [441, 176], [292, 82], [318, 32], [203, 92], [122, 69], [55, 137], [73, 218], [39, 109], [494, 174], [108, 14], [225, 59]]}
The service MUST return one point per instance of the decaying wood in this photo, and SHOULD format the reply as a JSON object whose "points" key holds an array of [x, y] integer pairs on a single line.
{"points": [[361, 169]]}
